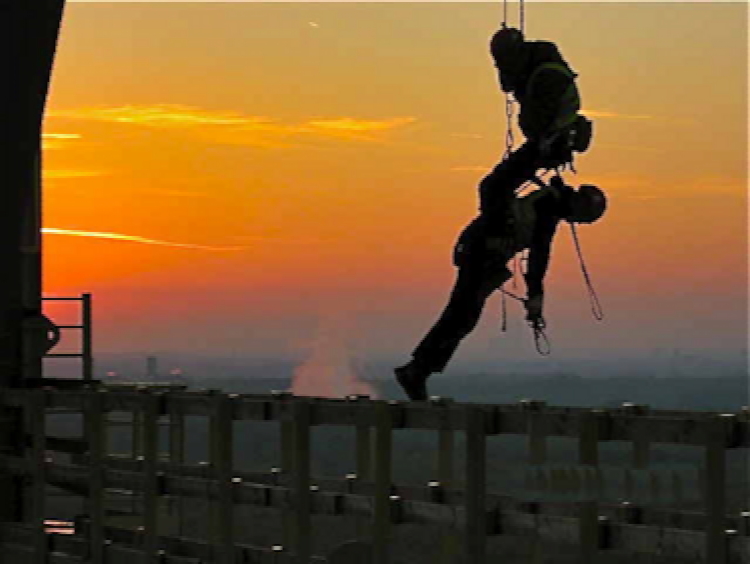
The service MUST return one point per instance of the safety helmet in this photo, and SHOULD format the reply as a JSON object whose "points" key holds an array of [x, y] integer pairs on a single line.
{"points": [[587, 204], [506, 45]]}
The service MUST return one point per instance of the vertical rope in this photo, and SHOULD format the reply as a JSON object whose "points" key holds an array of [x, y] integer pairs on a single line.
{"points": [[522, 17], [596, 308], [504, 326], [509, 138]]}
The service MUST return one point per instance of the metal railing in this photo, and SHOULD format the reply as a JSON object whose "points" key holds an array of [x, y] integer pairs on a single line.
{"points": [[85, 326], [470, 513]]}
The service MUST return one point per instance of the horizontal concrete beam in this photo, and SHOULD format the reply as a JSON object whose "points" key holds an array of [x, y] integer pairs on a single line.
{"points": [[620, 424], [503, 517]]}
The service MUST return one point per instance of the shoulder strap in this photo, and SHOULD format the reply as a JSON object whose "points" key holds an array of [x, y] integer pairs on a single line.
{"points": [[544, 66]]}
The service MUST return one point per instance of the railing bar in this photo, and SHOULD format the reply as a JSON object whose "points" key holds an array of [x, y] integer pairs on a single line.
{"points": [[286, 429], [475, 525], [364, 451], [446, 445], [177, 454], [300, 482], [95, 433], [715, 490], [450, 541], [222, 429], [537, 439], [381, 522], [558, 421], [150, 407], [36, 410], [87, 337], [364, 454], [588, 456], [136, 434]]}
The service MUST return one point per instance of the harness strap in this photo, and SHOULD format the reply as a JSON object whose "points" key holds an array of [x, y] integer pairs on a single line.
{"points": [[570, 101]]}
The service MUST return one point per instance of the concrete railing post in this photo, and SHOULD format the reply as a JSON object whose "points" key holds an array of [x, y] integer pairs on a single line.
{"points": [[222, 462], [95, 433], [299, 483], [475, 525], [383, 481]]}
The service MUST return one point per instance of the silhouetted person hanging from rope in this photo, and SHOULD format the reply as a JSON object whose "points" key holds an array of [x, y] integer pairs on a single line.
{"points": [[545, 89]]}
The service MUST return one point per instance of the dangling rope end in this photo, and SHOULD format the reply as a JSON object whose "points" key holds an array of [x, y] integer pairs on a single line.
{"points": [[541, 341], [596, 306], [504, 325]]}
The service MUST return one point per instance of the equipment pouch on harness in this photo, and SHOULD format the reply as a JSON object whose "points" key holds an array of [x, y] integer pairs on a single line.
{"points": [[581, 134]]}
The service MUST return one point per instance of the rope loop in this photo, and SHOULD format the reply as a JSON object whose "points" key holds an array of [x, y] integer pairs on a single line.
{"points": [[541, 341], [596, 306]]}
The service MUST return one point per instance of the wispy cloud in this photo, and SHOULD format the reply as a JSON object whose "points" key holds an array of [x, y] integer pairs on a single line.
{"points": [[352, 128], [158, 116], [69, 173], [358, 125], [135, 239], [161, 242], [605, 114], [61, 136], [52, 141], [237, 128]]}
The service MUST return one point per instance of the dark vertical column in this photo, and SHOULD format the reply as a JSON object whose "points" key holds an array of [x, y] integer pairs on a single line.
{"points": [[28, 37]]}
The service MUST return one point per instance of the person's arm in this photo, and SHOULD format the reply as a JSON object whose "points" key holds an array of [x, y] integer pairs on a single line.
{"points": [[539, 255]]}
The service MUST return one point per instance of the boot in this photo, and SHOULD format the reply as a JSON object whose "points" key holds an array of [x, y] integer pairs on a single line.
{"points": [[413, 380]]}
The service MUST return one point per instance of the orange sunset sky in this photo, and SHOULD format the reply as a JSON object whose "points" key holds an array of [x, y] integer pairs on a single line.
{"points": [[230, 178]]}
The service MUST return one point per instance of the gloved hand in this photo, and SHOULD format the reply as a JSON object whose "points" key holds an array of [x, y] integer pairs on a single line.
{"points": [[545, 145], [534, 306]]}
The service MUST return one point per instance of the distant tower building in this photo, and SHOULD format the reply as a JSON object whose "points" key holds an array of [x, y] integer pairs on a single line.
{"points": [[152, 372]]}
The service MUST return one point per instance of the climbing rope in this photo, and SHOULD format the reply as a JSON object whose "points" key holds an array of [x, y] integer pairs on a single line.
{"points": [[504, 308], [522, 14], [509, 101], [596, 307], [541, 341], [509, 140]]}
